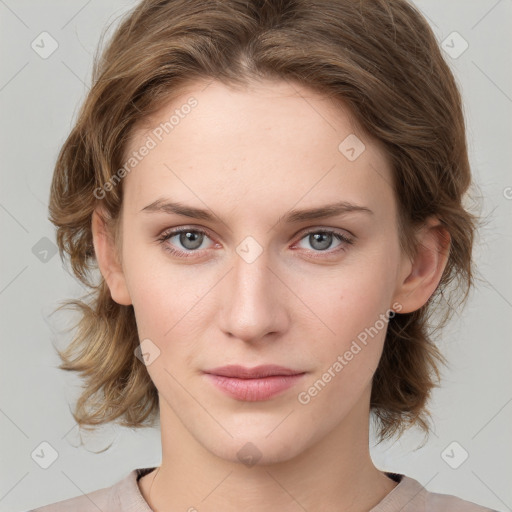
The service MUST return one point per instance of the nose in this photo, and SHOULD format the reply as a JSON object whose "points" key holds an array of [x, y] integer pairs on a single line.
{"points": [[253, 300]]}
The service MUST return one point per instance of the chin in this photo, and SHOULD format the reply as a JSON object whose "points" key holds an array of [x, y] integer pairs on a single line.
{"points": [[256, 450]]}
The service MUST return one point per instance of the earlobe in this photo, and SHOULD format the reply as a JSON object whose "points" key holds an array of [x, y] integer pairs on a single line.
{"points": [[108, 261], [423, 274]]}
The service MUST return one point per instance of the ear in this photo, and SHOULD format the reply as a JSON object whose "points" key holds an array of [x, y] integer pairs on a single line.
{"points": [[420, 276], [108, 260]]}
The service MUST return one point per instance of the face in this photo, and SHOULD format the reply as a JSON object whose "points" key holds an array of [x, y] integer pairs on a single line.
{"points": [[251, 281]]}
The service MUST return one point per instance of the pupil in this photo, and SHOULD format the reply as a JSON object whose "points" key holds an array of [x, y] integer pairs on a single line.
{"points": [[190, 240], [317, 237]]}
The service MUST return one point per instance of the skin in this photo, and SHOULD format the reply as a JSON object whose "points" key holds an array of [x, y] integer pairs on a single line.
{"points": [[249, 157]]}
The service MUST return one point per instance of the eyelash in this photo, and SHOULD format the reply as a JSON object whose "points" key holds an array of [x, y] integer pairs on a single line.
{"points": [[183, 254]]}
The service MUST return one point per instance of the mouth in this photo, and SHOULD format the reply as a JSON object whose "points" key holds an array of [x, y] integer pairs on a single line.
{"points": [[253, 384], [241, 372]]}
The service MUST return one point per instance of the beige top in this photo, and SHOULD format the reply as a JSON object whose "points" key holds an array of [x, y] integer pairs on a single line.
{"points": [[125, 496]]}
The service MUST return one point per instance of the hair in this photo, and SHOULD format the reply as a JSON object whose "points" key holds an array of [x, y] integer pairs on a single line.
{"points": [[378, 57]]}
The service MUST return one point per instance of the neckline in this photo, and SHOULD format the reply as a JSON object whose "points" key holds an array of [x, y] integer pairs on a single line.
{"points": [[399, 478], [140, 472], [396, 477]]}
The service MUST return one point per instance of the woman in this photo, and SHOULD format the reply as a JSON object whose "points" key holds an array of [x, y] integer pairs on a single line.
{"points": [[272, 193]]}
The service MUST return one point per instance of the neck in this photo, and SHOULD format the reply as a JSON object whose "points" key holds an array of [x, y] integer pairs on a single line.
{"points": [[319, 478]]}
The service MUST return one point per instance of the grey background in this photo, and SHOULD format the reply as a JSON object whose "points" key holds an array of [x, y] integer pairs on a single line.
{"points": [[39, 99]]}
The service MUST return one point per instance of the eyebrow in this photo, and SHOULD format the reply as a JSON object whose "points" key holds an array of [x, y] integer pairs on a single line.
{"points": [[293, 216]]}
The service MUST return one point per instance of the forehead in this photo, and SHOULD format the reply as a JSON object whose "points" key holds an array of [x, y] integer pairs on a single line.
{"points": [[274, 139]]}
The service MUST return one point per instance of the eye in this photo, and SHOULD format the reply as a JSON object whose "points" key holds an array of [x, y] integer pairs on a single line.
{"points": [[322, 239], [191, 239]]}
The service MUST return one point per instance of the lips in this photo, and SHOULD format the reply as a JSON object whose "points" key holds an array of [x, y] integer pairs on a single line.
{"points": [[253, 384], [258, 372]]}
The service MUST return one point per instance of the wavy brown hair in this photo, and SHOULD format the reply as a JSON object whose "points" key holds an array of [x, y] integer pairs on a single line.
{"points": [[378, 57]]}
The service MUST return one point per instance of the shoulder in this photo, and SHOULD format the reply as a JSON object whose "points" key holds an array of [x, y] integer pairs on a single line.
{"points": [[410, 496], [449, 503], [124, 495], [85, 503]]}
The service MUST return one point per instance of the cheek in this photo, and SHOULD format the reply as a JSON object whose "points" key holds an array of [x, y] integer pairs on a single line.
{"points": [[167, 306], [354, 312], [350, 298], [160, 292], [348, 359], [170, 303], [335, 305]]}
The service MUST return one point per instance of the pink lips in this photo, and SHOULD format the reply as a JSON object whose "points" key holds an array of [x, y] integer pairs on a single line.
{"points": [[253, 384]]}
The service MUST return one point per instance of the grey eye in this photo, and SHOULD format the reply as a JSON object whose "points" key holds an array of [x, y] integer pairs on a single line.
{"points": [[320, 241], [191, 240]]}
